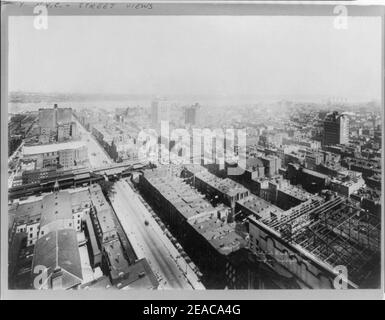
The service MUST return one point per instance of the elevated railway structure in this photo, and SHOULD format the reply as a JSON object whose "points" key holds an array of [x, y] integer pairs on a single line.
{"points": [[75, 178]]}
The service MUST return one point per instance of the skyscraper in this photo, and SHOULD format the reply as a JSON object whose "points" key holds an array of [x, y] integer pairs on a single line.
{"points": [[336, 129], [154, 113], [160, 111], [191, 114], [56, 124]]}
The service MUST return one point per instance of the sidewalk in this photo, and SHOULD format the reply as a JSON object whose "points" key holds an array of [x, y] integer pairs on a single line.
{"points": [[180, 261]]}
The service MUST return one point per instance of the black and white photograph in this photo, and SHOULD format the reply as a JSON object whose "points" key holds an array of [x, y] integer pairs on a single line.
{"points": [[179, 147]]}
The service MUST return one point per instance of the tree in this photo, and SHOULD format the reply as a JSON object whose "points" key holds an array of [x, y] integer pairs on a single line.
{"points": [[107, 187]]}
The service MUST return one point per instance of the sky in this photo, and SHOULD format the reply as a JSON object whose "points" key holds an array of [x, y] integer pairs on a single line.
{"points": [[210, 55]]}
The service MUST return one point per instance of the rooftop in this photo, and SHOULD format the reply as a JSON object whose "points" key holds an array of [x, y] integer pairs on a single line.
{"points": [[226, 186], [253, 163], [220, 234], [140, 276], [261, 208], [296, 192], [56, 206], [192, 205], [119, 266], [30, 210], [100, 283], [54, 147], [103, 209], [58, 251], [315, 173], [185, 199]]}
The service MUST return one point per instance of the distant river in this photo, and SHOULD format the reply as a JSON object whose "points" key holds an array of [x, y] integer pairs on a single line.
{"points": [[110, 105]]}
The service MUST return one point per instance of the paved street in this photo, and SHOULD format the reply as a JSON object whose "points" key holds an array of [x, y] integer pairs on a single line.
{"points": [[146, 240], [16, 153], [96, 154]]}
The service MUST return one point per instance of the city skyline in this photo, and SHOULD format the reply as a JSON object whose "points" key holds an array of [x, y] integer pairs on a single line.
{"points": [[204, 151]]}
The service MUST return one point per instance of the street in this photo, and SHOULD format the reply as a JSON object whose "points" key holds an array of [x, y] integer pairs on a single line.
{"points": [[146, 240], [96, 154]]}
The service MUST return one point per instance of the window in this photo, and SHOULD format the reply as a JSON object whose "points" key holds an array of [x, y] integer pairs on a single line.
{"points": [[41, 233]]}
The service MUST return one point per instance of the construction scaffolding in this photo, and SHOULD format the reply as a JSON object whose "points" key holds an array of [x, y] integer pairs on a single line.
{"points": [[333, 231]]}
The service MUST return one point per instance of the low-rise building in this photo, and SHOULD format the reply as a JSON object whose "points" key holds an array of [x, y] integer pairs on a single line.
{"points": [[219, 190], [258, 207], [347, 184], [57, 257], [38, 216], [202, 229], [102, 218], [57, 155]]}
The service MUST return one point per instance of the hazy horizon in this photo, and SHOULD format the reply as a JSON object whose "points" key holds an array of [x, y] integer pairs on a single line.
{"points": [[213, 56]]}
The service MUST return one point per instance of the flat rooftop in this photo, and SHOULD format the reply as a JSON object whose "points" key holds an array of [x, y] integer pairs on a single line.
{"points": [[296, 192], [226, 186], [30, 210], [315, 173], [191, 204], [53, 147], [119, 266], [259, 206], [219, 234], [182, 196], [103, 209], [194, 168], [140, 276]]}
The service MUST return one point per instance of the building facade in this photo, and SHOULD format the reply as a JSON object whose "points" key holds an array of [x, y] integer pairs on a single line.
{"points": [[336, 129]]}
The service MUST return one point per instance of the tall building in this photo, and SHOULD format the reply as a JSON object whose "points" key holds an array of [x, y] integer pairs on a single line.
{"points": [[56, 124], [271, 164], [336, 129], [154, 112], [160, 111], [191, 114]]}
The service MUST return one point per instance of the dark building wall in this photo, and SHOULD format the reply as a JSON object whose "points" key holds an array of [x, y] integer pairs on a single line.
{"points": [[64, 115], [47, 118], [205, 256], [312, 183], [286, 201]]}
